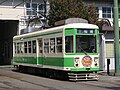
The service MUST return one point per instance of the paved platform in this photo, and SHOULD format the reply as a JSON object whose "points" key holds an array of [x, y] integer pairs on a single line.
{"points": [[108, 78], [103, 77], [6, 66]]}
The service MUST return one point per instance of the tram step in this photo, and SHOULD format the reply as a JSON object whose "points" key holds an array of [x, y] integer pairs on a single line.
{"points": [[81, 76], [83, 79]]}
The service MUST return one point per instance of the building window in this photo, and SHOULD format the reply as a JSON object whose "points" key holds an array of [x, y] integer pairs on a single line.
{"points": [[107, 12], [33, 8], [28, 9], [41, 7]]}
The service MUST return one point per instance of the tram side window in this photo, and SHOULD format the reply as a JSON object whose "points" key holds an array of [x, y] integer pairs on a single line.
{"points": [[52, 45], [34, 46], [59, 44], [21, 47], [18, 48], [40, 46], [46, 45], [69, 44], [25, 47], [15, 46], [29, 47]]}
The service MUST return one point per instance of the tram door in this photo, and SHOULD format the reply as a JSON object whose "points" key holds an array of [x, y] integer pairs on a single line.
{"points": [[40, 55]]}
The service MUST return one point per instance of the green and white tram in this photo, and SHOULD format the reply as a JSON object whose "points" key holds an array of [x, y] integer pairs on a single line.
{"points": [[70, 49]]}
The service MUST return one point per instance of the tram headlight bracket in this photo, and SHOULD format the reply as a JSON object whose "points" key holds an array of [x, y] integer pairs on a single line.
{"points": [[77, 62], [96, 61]]}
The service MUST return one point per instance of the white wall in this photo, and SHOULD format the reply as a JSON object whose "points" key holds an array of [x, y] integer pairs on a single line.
{"points": [[9, 13]]}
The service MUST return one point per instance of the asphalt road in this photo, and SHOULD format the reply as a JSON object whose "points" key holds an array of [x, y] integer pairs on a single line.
{"points": [[11, 80]]}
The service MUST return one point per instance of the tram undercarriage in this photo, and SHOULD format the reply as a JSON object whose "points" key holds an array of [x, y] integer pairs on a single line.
{"points": [[58, 74]]}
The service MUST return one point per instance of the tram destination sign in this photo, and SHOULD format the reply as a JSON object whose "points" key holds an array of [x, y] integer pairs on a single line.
{"points": [[85, 31]]}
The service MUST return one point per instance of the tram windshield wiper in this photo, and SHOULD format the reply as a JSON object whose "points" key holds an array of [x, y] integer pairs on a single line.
{"points": [[83, 50]]}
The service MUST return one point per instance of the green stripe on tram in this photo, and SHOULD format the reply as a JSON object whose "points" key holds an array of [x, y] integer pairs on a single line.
{"points": [[51, 61], [26, 60], [71, 31], [84, 69]]}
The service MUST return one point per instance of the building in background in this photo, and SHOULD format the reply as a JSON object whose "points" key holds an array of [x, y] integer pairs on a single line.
{"points": [[105, 10], [14, 17]]}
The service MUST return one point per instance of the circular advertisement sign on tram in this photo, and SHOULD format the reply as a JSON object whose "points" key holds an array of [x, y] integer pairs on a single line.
{"points": [[87, 61]]}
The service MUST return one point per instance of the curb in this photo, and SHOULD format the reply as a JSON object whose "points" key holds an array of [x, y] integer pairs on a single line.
{"points": [[6, 66], [109, 79]]}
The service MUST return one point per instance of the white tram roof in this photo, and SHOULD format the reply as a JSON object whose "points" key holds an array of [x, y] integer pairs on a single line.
{"points": [[81, 25], [60, 28]]}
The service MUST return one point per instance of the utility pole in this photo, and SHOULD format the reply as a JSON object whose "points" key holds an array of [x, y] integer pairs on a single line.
{"points": [[116, 39]]}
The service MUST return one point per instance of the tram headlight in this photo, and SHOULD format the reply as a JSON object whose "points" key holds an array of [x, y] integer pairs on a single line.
{"points": [[96, 61], [76, 62]]}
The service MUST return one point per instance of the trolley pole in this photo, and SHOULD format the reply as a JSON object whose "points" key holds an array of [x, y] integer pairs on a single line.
{"points": [[116, 39]]}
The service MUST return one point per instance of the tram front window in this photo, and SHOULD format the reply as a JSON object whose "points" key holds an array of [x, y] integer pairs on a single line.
{"points": [[85, 44]]}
